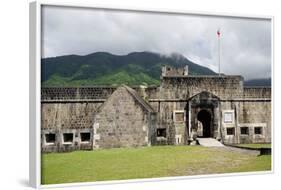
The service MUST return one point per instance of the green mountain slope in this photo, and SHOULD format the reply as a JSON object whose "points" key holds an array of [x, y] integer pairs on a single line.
{"points": [[103, 68]]}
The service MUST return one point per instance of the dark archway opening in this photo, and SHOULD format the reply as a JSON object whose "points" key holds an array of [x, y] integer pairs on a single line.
{"points": [[205, 118]]}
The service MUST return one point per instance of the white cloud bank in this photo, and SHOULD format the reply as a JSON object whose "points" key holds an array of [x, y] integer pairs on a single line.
{"points": [[245, 43]]}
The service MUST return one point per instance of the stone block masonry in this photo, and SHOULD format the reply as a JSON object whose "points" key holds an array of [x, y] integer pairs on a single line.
{"points": [[184, 107], [61, 121], [122, 121]]}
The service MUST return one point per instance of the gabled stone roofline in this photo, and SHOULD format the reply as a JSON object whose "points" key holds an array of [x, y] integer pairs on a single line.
{"points": [[139, 99]]}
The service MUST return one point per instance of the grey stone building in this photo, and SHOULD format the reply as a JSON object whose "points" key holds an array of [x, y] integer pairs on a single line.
{"points": [[124, 120], [178, 111]]}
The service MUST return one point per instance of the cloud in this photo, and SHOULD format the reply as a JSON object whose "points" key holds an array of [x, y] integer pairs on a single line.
{"points": [[245, 43]]}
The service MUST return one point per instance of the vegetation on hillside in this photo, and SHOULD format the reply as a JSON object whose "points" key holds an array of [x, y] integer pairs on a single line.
{"points": [[103, 68]]}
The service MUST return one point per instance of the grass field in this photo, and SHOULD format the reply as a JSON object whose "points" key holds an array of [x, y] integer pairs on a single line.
{"points": [[146, 162], [255, 145]]}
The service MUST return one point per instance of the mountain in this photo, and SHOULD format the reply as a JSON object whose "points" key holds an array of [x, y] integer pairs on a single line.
{"points": [[258, 82], [102, 68]]}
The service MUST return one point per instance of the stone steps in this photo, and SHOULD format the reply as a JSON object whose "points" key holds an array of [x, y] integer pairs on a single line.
{"points": [[209, 142]]}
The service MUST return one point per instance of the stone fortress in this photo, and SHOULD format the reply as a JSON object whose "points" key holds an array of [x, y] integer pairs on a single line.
{"points": [[183, 108]]}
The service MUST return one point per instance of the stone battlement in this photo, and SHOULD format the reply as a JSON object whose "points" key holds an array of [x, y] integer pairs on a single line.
{"points": [[101, 93], [61, 93], [257, 92], [91, 93], [225, 87], [172, 71]]}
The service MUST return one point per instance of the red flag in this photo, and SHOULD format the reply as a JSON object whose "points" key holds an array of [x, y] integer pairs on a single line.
{"points": [[218, 33]]}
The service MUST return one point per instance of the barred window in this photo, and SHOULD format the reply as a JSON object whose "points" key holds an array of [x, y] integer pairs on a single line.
{"points": [[258, 130], [230, 131], [244, 131]]}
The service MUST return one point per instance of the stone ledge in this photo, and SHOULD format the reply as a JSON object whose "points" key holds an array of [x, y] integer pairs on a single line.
{"points": [[73, 100], [222, 100]]}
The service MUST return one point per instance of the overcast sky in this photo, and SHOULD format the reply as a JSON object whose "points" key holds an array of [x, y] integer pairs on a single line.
{"points": [[245, 43]]}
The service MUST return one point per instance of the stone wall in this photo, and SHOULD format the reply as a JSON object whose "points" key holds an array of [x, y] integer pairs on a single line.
{"points": [[64, 93], [72, 110], [173, 71], [175, 93], [66, 118], [92, 93], [172, 87], [249, 114], [121, 122], [67, 115], [251, 106], [60, 145], [225, 87], [257, 92], [147, 92], [256, 114]]}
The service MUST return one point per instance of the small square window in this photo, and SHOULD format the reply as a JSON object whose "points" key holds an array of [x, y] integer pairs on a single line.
{"points": [[179, 117], [230, 131], [258, 130], [228, 117], [68, 137], [161, 132], [85, 137], [50, 138], [244, 131]]}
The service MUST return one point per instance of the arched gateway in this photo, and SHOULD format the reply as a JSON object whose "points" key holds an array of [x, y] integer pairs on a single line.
{"points": [[203, 116]]}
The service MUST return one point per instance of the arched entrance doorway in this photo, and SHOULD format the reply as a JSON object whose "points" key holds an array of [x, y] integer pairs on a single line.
{"points": [[204, 127], [202, 111]]}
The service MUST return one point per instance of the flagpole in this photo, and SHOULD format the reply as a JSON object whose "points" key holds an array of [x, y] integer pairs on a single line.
{"points": [[219, 51]]}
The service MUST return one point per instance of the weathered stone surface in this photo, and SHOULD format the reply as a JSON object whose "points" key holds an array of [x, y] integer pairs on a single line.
{"points": [[123, 121], [118, 117], [60, 118]]}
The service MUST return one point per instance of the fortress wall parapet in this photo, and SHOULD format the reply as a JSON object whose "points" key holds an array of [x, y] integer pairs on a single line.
{"points": [[257, 92], [91, 93], [225, 87]]}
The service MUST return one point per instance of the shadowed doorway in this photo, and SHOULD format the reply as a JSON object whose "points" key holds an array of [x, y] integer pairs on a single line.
{"points": [[205, 118]]}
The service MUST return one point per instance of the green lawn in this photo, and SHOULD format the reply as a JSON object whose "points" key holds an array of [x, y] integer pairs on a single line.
{"points": [[255, 145], [146, 162]]}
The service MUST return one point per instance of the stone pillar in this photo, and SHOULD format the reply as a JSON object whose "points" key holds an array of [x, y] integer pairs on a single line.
{"points": [[216, 124]]}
